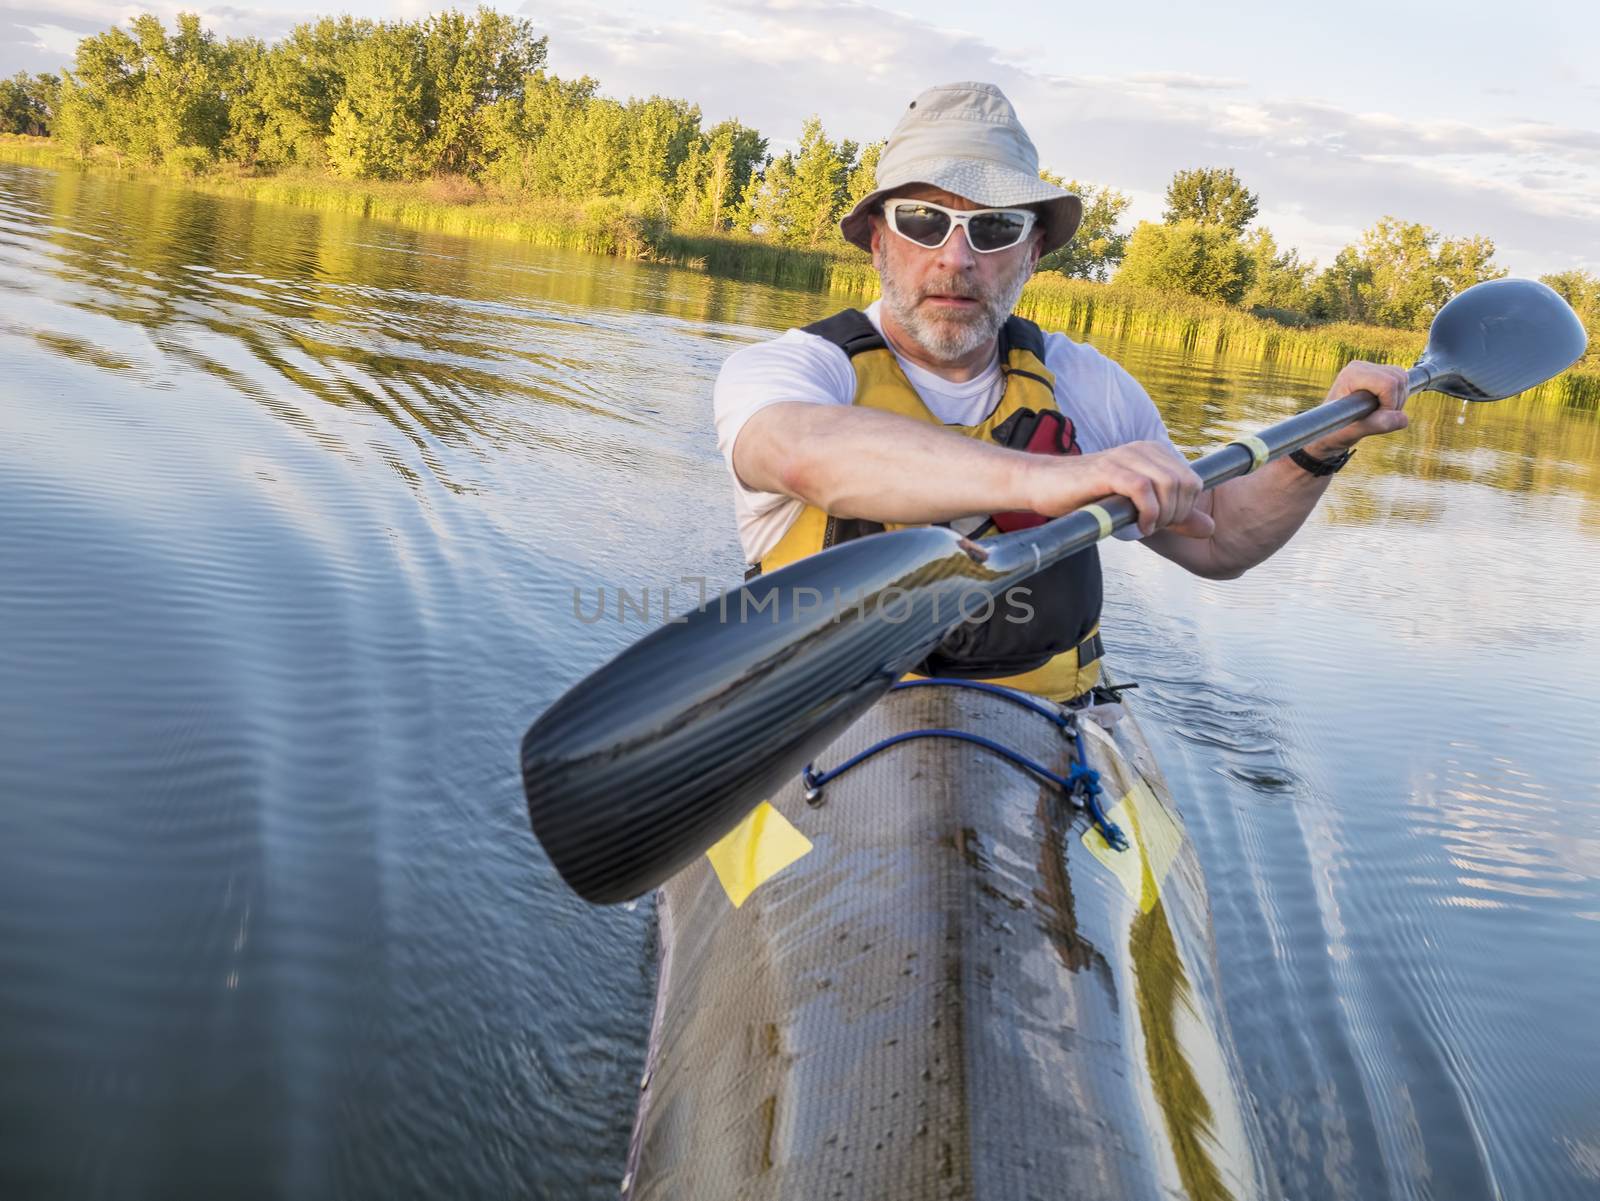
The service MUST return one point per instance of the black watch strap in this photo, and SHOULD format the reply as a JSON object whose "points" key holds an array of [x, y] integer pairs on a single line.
{"points": [[1321, 466]]}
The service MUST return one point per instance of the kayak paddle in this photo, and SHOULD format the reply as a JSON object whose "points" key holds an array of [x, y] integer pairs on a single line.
{"points": [[642, 766]]}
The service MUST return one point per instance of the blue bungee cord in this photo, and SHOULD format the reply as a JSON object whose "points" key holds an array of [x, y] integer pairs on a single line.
{"points": [[1081, 783]]}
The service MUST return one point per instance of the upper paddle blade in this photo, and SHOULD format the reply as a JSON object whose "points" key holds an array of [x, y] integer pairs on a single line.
{"points": [[647, 762], [1502, 337]]}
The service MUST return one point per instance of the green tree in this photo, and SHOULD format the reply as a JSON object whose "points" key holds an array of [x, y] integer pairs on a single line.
{"points": [[155, 97], [657, 135], [817, 188], [182, 105], [1581, 290], [526, 137], [1211, 196], [1278, 279], [714, 175], [732, 152], [1098, 246], [1578, 288], [377, 130], [242, 65], [1401, 273], [299, 86], [1343, 291], [1406, 288], [1186, 256], [100, 94], [28, 103], [471, 64], [764, 206], [1463, 262], [691, 210], [587, 154], [863, 180]]}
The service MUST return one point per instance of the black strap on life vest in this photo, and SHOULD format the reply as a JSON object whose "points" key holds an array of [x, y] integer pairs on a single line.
{"points": [[1017, 334], [850, 330]]}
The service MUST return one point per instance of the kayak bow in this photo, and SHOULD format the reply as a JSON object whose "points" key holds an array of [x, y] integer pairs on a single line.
{"points": [[962, 992]]}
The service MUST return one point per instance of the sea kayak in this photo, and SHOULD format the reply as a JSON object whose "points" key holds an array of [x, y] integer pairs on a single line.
{"points": [[955, 985]]}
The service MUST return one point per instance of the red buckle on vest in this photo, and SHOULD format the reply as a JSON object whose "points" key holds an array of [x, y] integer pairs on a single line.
{"points": [[1052, 434]]}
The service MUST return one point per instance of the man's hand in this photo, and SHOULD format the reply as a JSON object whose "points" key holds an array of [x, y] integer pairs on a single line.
{"points": [[1152, 475], [1388, 384]]}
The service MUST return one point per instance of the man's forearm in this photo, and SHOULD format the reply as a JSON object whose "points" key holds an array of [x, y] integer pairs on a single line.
{"points": [[855, 462], [858, 462], [1255, 516]]}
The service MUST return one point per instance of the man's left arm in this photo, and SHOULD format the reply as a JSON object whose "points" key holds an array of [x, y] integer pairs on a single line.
{"points": [[1257, 513]]}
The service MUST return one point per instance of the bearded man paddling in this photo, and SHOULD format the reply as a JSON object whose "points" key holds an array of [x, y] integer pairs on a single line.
{"points": [[936, 404], [967, 953]]}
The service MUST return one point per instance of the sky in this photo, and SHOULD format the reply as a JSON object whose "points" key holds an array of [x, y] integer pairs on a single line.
{"points": [[1470, 118]]}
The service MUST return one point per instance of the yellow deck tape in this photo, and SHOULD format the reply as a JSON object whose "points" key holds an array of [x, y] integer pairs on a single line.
{"points": [[1155, 841], [754, 851]]}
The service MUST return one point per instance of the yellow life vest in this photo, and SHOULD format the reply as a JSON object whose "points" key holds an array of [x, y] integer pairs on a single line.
{"points": [[1055, 654]]}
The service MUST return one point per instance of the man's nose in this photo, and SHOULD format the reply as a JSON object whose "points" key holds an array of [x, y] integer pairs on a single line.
{"points": [[957, 254]]}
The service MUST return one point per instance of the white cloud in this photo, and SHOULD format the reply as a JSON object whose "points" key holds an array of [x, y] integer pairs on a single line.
{"points": [[1324, 173], [1180, 79], [53, 39]]}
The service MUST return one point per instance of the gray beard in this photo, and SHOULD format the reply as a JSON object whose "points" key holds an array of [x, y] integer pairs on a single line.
{"points": [[947, 339]]}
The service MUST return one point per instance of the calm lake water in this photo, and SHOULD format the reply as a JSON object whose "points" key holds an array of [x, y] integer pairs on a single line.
{"points": [[292, 509]]}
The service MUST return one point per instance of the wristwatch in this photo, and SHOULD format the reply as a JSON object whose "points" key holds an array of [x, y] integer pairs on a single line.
{"points": [[1322, 466]]}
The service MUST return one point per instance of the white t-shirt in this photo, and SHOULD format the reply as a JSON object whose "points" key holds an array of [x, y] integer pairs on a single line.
{"points": [[1106, 404]]}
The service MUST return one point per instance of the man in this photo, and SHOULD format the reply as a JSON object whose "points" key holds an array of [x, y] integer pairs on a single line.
{"points": [[937, 405]]}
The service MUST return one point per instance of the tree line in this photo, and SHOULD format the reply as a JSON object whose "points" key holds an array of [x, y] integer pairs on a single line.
{"points": [[469, 96], [1399, 273]]}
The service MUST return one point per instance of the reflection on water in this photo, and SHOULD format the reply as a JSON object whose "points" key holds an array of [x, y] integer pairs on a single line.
{"points": [[291, 511]]}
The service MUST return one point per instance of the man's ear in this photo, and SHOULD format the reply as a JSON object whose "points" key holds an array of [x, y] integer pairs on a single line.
{"points": [[876, 225]]}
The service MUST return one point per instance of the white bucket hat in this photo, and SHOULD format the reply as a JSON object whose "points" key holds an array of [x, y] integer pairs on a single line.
{"points": [[966, 139]]}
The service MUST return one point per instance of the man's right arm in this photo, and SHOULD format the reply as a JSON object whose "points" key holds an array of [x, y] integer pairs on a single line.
{"points": [[856, 462]]}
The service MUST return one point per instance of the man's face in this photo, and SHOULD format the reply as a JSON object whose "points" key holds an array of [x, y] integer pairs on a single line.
{"points": [[951, 300]]}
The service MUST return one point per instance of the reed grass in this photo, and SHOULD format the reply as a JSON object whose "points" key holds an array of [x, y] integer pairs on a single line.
{"points": [[612, 226], [1118, 311], [34, 152], [601, 226]]}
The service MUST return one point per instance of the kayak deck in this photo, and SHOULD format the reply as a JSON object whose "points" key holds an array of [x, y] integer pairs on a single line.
{"points": [[960, 992]]}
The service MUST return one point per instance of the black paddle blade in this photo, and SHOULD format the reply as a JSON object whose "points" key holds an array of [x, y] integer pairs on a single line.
{"points": [[1501, 337], [647, 762]]}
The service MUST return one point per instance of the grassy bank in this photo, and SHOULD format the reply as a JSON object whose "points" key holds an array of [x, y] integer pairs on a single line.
{"points": [[1118, 311], [609, 226], [446, 205]]}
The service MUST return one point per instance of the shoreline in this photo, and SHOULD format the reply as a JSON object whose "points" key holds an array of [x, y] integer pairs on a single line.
{"points": [[608, 226]]}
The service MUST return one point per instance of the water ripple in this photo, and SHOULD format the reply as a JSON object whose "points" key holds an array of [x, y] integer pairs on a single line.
{"points": [[292, 508]]}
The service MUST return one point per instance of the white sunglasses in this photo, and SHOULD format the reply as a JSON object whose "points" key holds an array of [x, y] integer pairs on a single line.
{"points": [[929, 225]]}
